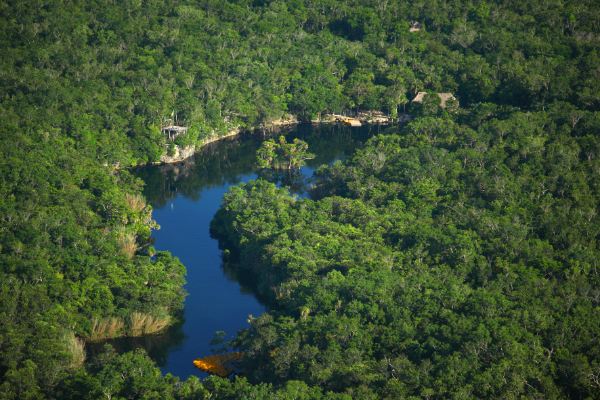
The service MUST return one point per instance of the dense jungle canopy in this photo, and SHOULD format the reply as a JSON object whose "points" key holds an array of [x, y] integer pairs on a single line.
{"points": [[454, 256]]}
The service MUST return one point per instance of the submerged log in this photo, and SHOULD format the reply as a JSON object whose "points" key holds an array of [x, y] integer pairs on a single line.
{"points": [[221, 365]]}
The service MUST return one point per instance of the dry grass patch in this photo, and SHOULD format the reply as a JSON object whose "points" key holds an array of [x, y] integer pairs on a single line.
{"points": [[106, 328], [135, 202], [76, 348], [138, 324], [128, 244], [145, 324]]}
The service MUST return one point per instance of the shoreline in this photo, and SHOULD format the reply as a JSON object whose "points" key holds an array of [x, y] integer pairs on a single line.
{"points": [[185, 153], [189, 151]]}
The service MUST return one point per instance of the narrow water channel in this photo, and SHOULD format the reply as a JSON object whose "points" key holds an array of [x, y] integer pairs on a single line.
{"points": [[185, 197]]}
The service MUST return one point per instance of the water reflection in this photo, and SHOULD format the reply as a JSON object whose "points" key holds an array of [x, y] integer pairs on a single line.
{"points": [[157, 346], [225, 162], [185, 197]]}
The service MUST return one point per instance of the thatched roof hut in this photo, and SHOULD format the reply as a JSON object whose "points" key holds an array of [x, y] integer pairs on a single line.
{"points": [[444, 98]]}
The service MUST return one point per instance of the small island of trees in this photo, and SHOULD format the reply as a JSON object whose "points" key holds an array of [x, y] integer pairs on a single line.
{"points": [[282, 155]]}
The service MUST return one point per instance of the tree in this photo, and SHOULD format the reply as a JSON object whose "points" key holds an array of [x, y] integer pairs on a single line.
{"points": [[283, 155]]}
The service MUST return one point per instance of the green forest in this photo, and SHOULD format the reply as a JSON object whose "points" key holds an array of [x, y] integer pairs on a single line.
{"points": [[455, 255]]}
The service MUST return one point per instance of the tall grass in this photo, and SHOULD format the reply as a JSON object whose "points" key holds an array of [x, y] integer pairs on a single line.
{"points": [[138, 324], [76, 348], [145, 324], [304, 312], [106, 328], [135, 202], [128, 244]]}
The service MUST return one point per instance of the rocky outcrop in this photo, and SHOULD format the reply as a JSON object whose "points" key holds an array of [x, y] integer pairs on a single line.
{"points": [[367, 117], [215, 138], [362, 117], [184, 153], [181, 153], [286, 120], [374, 117]]}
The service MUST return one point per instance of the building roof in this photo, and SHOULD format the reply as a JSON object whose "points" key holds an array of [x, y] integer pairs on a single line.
{"points": [[415, 26], [419, 97], [175, 128], [444, 97]]}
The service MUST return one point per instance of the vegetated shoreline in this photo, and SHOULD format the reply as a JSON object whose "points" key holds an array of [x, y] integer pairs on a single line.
{"points": [[116, 328], [183, 153], [140, 324]]}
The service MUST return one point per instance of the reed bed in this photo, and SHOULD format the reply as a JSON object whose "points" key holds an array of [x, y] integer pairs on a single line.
{"points": [[76, 348], [145, 324], [128, 244], [106, 328], [138, 324], [135, 202]]}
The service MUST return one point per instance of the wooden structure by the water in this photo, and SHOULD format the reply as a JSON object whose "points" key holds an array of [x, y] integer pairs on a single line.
{"points": [[221, 365], [347, 120], [172, 131]]}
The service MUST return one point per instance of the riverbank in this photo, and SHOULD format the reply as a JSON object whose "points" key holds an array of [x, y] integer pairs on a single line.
{"points": [[362, 118], [183, 153], [184, 198]]}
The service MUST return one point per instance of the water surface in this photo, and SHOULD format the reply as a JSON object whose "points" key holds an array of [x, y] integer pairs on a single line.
{"points": [[185, 197]]}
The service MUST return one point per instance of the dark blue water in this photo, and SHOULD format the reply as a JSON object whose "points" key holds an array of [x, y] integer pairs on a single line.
{"points": [[185, 197], [215, 302]]}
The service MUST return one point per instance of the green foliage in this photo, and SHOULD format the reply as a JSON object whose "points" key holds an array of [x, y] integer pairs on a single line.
{"points": [[456, 258], [132, 376], [436, 260], [64, 264]]}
